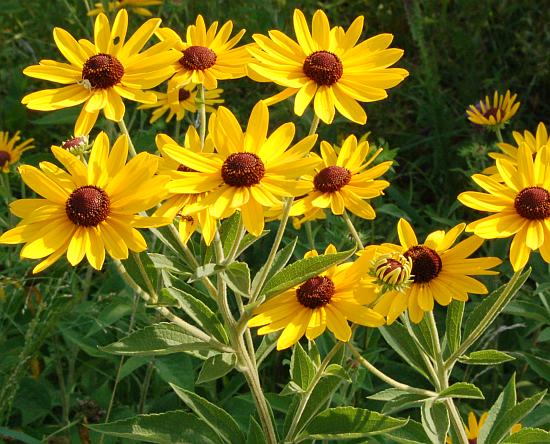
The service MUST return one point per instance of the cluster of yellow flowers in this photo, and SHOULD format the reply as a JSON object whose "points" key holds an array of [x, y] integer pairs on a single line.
{"points": [[89, 208]]}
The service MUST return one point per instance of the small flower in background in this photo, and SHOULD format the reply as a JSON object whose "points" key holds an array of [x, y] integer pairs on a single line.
{"points": [[440, 271], [473, 428], [495, 113], [88, 208], [78, 145], [207, 56], [327, 67], [248, 171], [344, 180], [10, 152], [324, 301], [176, 101], [521, 204], [136, 6], [102, 73]]}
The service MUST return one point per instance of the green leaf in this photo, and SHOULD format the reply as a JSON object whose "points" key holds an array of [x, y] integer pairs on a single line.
{"points": [[216, 366], [228, 232], [176, 427], [162, 262], [18, 436], [134, 270], [462, 390], [302, 369], [403, 402], [453, 323], [435, 421], [505, 402], [423, 335], [281, 259], [217, 418], [300, 271], [338, 371], [237, 277], [177, 368], [199, 312], [255, 433], [528, 310], [486, 357], [528, 436], [538, 365], [158, 339], [342, 423], [410, 433], [205, 271]]}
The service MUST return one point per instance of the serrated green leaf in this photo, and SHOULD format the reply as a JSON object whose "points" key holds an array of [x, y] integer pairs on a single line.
{"points": [[435, 421], [505, 402], [462, 390], [237, 277], [453, 323], [176, 427], [341, 423], [217, 418], [528, 436], [486, 357], [302, 369], [255, 433], [281, 259], [216, 366], [302, 270]]}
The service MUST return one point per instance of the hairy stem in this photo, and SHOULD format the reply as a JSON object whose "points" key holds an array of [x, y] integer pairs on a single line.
{"points": [[202, 115], [352, 230], [124, 130]]}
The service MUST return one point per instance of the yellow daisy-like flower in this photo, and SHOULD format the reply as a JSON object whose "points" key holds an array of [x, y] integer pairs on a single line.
{"points": [[327, 66], [178, 100], [521, 205], [344, 180], [440, 272], [497, 113], [473, 428], [102, 73], [176, 202], [10, 152], [248, 171], [207, 56], [136, 6], [328, 300], [87, 209]]}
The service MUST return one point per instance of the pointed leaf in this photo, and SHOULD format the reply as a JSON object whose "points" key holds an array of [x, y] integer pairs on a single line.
{"points": [[255, 433], [528, 436], [281, 259], [453, 323], [505, 402], [435, 421], [486, 357], [216, 366], [462, 390], [302, 370], [237, 276]]}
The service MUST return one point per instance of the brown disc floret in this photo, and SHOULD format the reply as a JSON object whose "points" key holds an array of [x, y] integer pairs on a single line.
{"points": [[533, 203], [102, 71], [426, 263], [183, 95], [331, 179], [88, 206], [243, 170], [323, 67], [315, 292], [5, 158], [198, 58]]}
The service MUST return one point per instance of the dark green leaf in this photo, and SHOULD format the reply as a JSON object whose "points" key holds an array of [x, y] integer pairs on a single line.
{"points": [[237, 277], [410, 433], [528, 436], [302, 369], [435, 421], [205, 271], [255, 433], [216, 366], [133, 268], [462, 390], [422, 334], [505, 402], [486, 357], [18, 436], [281, 259], [453, 323], [538, 365]]}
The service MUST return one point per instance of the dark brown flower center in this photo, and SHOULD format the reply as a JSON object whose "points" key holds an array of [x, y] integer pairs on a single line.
{"points": [[315, 292], [324, 67], [386, 268], [426, 263], [88, 206], [5, 157], [331, 179], [183, 95], [533, 203], [102, 71], [472, 441], [242, 170], [186, 169], [198, 58], [74, 142]]}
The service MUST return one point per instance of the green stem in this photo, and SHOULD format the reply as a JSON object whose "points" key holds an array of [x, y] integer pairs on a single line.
{"points": [[150, 288], [309, 234], [124, 130], [314, 125], [202, 115], [499, 134], [177, 130], [425, 358], [352, 230]]}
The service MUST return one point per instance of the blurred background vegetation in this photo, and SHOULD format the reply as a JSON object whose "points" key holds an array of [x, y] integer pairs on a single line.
{"points": [[52, 376]]}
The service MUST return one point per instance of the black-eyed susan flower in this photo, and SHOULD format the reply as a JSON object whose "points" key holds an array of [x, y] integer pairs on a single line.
{"points": [[177, 100], [473, 428], [248, 171], [325, 301], [136, 6], [176, 202], [207, 56], [344, 181], [495, 113], [87, 209], [521, 204], [10, 150], [327, 66], [439, 272], [102, 73]]}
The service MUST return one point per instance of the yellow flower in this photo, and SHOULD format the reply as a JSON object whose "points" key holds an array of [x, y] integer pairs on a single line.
{"points": [[473, 428], [248, 171], [344, 180], [497, 113], [327, 66], [137, 6], [440, 272], [178, 100], [521, 205], [87, 209], [176, 202], [10, 153], [328, 300], [100, 74], [207, 56]]}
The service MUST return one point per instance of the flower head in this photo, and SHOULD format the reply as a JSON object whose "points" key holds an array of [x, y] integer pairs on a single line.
{"points": [[495, 113], [521, 204], [136, 6], [102, 73], [86, 210], [327, 66], [10, 151], [207, 56], [327, 300]]}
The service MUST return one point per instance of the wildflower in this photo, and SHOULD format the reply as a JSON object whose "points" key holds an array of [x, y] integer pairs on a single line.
{"points": [[87, 209], [100, 74], [494, 114], [206, 56], [473, 428], [327, 67], [521, 205], [327, 300], [10, 152], [248, 171], [139, 7]]}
